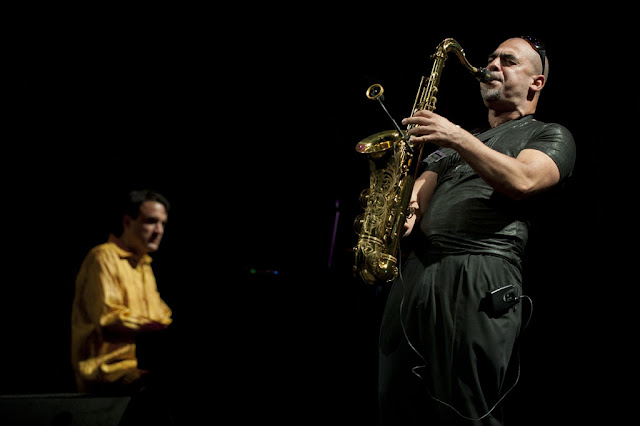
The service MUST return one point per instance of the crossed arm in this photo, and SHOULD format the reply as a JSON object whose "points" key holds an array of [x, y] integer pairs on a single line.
{"points": [[103, 301]]}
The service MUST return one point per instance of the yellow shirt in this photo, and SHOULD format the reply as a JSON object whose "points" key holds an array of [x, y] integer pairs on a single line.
{"points": [[114, 301]]}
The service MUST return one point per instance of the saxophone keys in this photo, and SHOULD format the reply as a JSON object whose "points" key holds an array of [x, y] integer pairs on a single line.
{"points": [[357, 223], [364, 198]]}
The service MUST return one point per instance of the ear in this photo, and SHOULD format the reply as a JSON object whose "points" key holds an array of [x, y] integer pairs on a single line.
{"points": [[538, 83], [126, 221]]}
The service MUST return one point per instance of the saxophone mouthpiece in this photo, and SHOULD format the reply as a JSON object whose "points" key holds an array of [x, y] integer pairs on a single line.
{"points": [[483, 75]]}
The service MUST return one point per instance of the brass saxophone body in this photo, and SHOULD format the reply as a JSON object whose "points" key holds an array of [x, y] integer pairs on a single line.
{"points": [[393, 163]]}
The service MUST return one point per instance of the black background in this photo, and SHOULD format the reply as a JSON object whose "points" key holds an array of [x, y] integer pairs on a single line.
{"points": [[247, 121]]}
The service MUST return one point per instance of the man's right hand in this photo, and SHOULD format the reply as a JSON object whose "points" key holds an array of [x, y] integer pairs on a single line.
{"points": [[410, 222]]}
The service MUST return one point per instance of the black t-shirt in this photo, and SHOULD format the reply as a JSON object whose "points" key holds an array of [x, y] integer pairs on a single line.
{"points": [[466, 215]]}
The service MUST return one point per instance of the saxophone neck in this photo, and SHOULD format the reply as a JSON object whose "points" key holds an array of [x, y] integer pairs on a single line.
{"points": [[447, 45]]}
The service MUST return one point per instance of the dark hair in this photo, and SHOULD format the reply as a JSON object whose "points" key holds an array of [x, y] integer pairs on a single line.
{"points": [[137, 197]]}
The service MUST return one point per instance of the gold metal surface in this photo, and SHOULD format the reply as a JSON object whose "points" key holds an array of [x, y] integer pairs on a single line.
{"points": [[393, 165]]}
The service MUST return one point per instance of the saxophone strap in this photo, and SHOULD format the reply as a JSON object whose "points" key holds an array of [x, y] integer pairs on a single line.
{"points": [[434, 157], [503, 128]]}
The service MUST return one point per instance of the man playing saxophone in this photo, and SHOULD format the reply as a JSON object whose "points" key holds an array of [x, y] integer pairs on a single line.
{"points": [[473, 206]]}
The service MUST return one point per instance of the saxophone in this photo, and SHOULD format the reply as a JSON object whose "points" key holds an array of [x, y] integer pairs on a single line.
{"points": [[393, 163]]}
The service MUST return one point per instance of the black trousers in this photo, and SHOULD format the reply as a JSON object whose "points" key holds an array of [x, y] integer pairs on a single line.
{"points": [[444, 360]]}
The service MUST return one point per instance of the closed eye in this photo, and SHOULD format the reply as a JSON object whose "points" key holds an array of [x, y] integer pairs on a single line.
{"points": [[506, 59]]}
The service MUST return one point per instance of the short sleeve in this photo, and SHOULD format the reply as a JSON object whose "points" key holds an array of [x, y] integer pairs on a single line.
{"points": [[557, 142]]}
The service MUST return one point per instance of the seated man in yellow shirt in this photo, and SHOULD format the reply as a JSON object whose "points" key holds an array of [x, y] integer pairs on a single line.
{"points": [[116, 299]]}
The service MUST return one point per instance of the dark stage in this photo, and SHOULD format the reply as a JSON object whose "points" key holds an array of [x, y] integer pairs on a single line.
{"points": [[250, 133]]}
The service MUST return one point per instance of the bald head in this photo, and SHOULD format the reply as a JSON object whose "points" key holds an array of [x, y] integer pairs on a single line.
{"points": [[516, 69], [530, 52]]}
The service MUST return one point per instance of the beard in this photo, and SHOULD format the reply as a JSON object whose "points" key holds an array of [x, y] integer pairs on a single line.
{"points": [[491, 94]]}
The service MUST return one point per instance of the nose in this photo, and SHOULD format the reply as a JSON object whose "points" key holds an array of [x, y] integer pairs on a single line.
{"points": [[494, 65], [159, 228]]}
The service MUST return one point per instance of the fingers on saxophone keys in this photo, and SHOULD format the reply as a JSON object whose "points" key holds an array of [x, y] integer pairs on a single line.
{"points": [[419, 139], [423, 115], [418, 130], [418, 120]]}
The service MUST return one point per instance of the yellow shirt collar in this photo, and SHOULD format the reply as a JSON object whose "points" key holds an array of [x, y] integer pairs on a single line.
{"points": [[123, 253]]}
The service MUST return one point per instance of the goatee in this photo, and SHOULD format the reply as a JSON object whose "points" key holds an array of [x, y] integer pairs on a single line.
{"points": [[490, 95]]}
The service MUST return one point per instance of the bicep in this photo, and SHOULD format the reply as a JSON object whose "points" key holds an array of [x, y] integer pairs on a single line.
{"points": [[540, 170]]}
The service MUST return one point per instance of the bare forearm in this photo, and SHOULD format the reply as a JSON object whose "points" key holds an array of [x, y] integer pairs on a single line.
{"points": [[530, 172], [507, 175], [421, 196]]}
